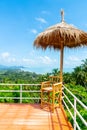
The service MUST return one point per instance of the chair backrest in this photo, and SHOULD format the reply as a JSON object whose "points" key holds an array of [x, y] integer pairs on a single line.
{"points": [[57, 87], [45, 84], [54, 79]]}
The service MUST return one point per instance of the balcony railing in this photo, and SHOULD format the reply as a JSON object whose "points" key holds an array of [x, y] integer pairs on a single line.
{"points": [[21, 92], [75, 104]]}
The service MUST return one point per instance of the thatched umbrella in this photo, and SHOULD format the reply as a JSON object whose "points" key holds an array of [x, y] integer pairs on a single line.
{"points": [[59, 36]]}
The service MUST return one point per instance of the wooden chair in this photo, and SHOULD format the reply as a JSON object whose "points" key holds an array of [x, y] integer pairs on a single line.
{"points": [[51, 94], [54, 79]]}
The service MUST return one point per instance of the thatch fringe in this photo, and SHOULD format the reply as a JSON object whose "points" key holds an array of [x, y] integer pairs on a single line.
{"points": [[61, 33]]}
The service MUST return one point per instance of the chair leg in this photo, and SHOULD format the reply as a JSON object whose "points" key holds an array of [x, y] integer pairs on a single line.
{"points": [[53, 102], [60, 98], [41, 99], [48, 100]]}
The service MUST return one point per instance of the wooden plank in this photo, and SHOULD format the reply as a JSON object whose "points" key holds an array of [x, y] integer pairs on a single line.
{"points": [[31, 117]]}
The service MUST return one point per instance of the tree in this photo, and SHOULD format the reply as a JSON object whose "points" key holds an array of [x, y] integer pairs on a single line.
{"points": [[84, 65], [80, 74], [55, 72]]}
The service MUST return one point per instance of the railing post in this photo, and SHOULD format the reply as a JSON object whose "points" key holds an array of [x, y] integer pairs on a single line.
{"points": [[21, 93], [74, 114]]}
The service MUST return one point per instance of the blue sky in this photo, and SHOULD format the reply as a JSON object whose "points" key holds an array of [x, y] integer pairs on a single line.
{"points": [[22, 20]]}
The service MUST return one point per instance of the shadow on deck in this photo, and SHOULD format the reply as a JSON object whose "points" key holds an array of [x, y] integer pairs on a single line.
{"points": [[31, 117]]}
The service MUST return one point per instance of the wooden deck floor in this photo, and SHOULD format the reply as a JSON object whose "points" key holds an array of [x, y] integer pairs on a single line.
{"points": [[31, 117]]}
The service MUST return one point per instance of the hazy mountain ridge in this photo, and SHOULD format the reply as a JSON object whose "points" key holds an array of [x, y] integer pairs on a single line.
{"points": [[3, 67]]}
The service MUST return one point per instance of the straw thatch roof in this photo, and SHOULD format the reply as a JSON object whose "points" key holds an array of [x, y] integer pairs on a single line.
{"points": [[61, 34]]}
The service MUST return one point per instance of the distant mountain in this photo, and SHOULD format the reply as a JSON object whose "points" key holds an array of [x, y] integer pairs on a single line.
{"points": [[3, 67]]}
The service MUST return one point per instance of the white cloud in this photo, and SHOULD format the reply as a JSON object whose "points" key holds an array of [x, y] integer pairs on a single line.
{"points": [[6, 58], [34, 31], [5, 55], [45, 12], [10, 60], [72, 61], [46, 60], [73, 58], [39, 61], [42, 20], [27, 60]]}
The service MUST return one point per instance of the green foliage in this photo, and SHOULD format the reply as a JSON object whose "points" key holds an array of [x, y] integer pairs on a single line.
{"points": [[79, 75], [18, 76], [55, 72]]}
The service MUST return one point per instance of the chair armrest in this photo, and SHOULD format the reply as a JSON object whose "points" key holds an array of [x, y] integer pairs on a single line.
{"points": [[57, 87], [45, 84]]}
